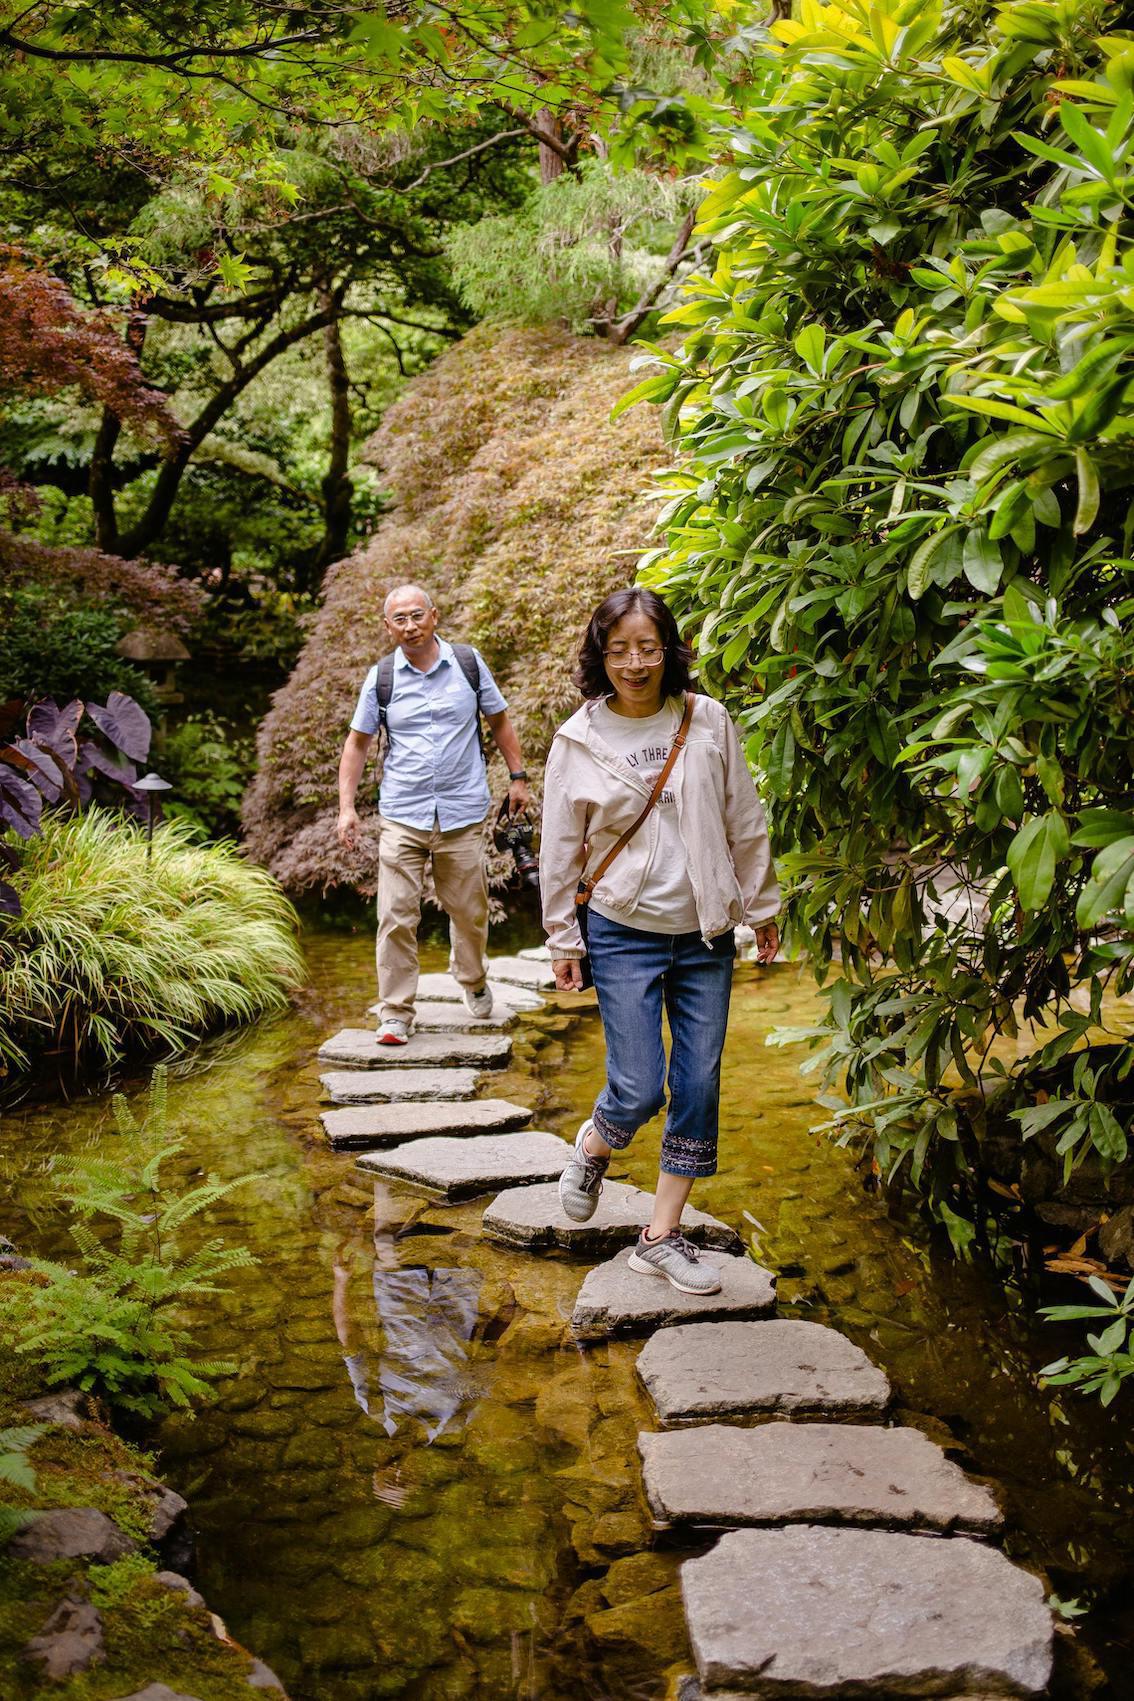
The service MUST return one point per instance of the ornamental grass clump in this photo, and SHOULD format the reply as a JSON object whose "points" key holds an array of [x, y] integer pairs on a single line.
{"points": [[116, 950]]}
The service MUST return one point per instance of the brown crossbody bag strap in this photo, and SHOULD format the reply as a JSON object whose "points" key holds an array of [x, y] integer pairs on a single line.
{"points": [[587, 885]]}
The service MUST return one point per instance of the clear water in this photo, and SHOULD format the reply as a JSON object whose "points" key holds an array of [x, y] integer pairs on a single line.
{"points": [[419, 1486]]}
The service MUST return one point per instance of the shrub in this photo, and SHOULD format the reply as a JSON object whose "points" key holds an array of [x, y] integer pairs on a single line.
{"points": [[52, 647], [208, 765], [115, 949], [902, 533], [112, 1328]]}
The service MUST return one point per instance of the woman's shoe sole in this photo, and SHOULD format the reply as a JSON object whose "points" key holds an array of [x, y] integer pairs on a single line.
{"points": [[639, 1264]]}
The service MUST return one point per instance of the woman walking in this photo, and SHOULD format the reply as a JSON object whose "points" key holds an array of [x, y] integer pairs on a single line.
{"points": [[653, 838]]}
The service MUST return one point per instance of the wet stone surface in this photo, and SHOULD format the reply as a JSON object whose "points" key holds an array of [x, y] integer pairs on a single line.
{"points": [[521, 971], [532, 1217], [444, 989], [617, 1300], [699, 1371], [808, 1473], [864, 1612], [385, 1124], [358, 1048], [388, 1086], [463, 1167]]}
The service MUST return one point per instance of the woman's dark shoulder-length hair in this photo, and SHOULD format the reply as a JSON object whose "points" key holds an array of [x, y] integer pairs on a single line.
{"points": [[590, 673]]}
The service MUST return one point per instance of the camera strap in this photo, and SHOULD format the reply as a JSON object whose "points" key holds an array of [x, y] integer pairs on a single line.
{"points": [[588, 883]]}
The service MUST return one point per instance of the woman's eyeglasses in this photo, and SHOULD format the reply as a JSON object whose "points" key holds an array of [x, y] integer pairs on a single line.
{"points": [[647, 655]]}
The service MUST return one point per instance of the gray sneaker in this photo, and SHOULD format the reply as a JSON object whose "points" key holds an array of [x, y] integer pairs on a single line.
{"points": [[480, 1001], [674, 1258], [581, 1182]]}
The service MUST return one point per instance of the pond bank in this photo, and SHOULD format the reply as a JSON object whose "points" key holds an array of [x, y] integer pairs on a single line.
{"points": [[420, 1486]]}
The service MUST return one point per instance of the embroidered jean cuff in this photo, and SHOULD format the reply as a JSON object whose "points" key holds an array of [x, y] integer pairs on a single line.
{"points": [[689, 1158], [610, 1132]]}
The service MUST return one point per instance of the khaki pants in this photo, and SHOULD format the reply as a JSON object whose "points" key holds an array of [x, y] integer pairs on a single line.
{"points": [[461, 883]]}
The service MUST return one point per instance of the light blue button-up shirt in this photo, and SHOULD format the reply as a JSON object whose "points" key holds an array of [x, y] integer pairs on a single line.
{"points": [[433, 768]]}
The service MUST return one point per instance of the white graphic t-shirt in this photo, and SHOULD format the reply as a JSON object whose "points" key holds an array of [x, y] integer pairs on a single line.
{"points": [[666, 903]]}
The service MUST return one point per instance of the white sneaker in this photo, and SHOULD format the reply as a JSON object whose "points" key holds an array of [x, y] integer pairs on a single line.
{"points": [[392, 1030], [479, 1002]]}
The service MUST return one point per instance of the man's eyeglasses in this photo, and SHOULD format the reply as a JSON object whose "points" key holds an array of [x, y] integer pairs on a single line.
{"points": [[648, 655], [413, 617]]}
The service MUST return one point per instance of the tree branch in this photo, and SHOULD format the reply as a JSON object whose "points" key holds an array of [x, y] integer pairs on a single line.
{"points": [[443, 164], [625, 327]]}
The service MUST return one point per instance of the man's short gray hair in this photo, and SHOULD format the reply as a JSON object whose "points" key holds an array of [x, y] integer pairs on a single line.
{"points": [[397, 591]]}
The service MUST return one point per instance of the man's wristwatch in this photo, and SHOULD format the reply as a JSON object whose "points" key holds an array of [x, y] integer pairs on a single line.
{"points": [[520, 774]]}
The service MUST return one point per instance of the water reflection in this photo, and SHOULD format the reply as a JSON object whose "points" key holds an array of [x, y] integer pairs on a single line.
{"points": [[408, 1361]]}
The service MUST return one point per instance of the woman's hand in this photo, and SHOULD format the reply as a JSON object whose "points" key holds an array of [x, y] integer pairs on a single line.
{"points": [[767, 942], [568, 974]]}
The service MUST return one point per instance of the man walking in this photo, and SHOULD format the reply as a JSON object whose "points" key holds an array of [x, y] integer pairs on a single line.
{"points": [[432, 802]]}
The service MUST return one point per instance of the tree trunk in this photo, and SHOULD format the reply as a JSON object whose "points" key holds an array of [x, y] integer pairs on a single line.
{"points": [[100, 482], [336, 485], [551, 164]]}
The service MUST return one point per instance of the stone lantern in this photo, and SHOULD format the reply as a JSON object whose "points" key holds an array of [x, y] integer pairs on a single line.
{"points": [[159, 653]]}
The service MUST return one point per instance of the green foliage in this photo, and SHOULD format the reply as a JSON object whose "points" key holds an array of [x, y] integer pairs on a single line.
{"points": [[209, 766], [14, 1469], [1103, 1370], [51, 646], [583, 247], [116, 949], [115, 1326], [901, 534]]}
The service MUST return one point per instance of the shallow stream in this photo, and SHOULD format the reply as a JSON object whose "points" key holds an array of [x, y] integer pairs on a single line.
{"points": [[419, 1486]]}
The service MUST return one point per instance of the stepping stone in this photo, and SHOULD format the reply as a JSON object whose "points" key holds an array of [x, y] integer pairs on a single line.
{"points": [[357, 1086], [521, 971], [532, 1217], [442, 1018], [462, 1168], [614, 1299], [810, 1473], [359, 1048], [826, 1613], [445, 990], [534, 954], [699, 1371], [386, 1124]]}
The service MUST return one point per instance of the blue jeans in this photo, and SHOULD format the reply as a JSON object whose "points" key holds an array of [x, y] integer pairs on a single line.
{"points": [[634, 973]]}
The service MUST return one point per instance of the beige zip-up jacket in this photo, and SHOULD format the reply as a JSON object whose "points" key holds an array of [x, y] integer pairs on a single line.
{"points": [[591, 796]]}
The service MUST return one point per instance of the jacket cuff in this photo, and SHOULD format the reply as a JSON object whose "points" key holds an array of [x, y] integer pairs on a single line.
{"points": [[565, 953]]}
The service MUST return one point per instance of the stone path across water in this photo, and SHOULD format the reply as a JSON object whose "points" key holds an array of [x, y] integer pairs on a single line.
{"points": [[805, 1473], [387, 1124], [811, 1604], [461, 1168], [700, 1371], [805, 1611], [382, 1086], [617, 1300], [358, 1048]]}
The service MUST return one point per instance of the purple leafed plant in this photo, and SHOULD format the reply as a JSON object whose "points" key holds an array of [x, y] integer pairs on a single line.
{"points": [[58, 762]]}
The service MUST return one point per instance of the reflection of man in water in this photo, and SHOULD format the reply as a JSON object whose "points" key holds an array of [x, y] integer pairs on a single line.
{"points": [[426, 1320]]}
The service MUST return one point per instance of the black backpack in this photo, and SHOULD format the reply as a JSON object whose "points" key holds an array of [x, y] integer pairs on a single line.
{"points": [[384, 687]]}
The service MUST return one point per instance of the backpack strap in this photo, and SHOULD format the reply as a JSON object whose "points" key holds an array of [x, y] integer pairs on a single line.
{"points": [[469, 664]]}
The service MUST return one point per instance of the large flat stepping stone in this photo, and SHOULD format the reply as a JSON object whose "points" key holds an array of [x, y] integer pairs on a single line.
{"points": [[534, 954], [614, 1299], [810, 1473], [360, 1086], [825, 1613], [358, 1048], [443, 989], [532, 1217], [521, 971], [462, 1168], [442, 1018], [699, 1371], [387, 1124]]}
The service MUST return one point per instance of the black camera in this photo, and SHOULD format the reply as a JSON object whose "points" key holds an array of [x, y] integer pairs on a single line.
{"points": [[515, 833]]}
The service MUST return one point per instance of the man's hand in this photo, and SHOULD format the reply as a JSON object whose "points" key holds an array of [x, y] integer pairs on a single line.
{"points": [[519, 797], [568, 972], [349, 829], [767, 942]]}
